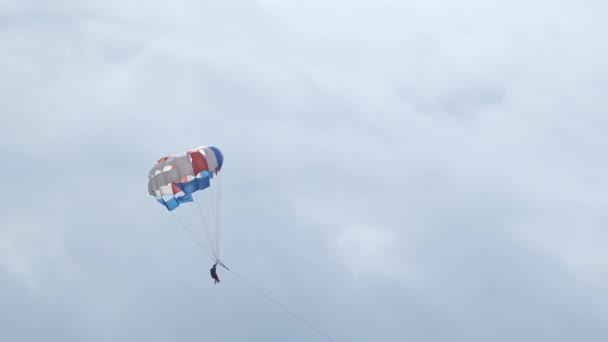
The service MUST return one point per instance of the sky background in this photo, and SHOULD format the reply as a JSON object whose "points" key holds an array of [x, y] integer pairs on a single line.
{"points": [[394, 170]]}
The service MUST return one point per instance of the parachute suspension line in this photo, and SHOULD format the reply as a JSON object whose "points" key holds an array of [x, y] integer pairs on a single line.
{"points": [[281, 306], [205, 222], [194, 221], [209, 223], [211, 212], [192, 236], [219, 216], [208, 210], [218, 203], [191, 220], [212, 227]]}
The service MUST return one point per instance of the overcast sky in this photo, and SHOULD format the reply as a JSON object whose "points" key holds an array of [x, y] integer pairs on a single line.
{"points": [[394, 170]]}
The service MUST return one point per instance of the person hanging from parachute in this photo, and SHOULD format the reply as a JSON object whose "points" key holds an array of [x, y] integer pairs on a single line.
{"points": [[214, 274], [187, 185]]}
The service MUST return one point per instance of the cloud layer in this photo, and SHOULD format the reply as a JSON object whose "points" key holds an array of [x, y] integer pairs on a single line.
{"points": [[394, 171]]}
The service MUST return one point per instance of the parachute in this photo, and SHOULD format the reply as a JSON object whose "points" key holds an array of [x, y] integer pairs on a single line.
{"points": [[189, 186]]}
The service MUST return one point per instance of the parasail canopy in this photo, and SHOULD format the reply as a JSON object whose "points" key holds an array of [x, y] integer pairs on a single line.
{"points": [[187, 184]]}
